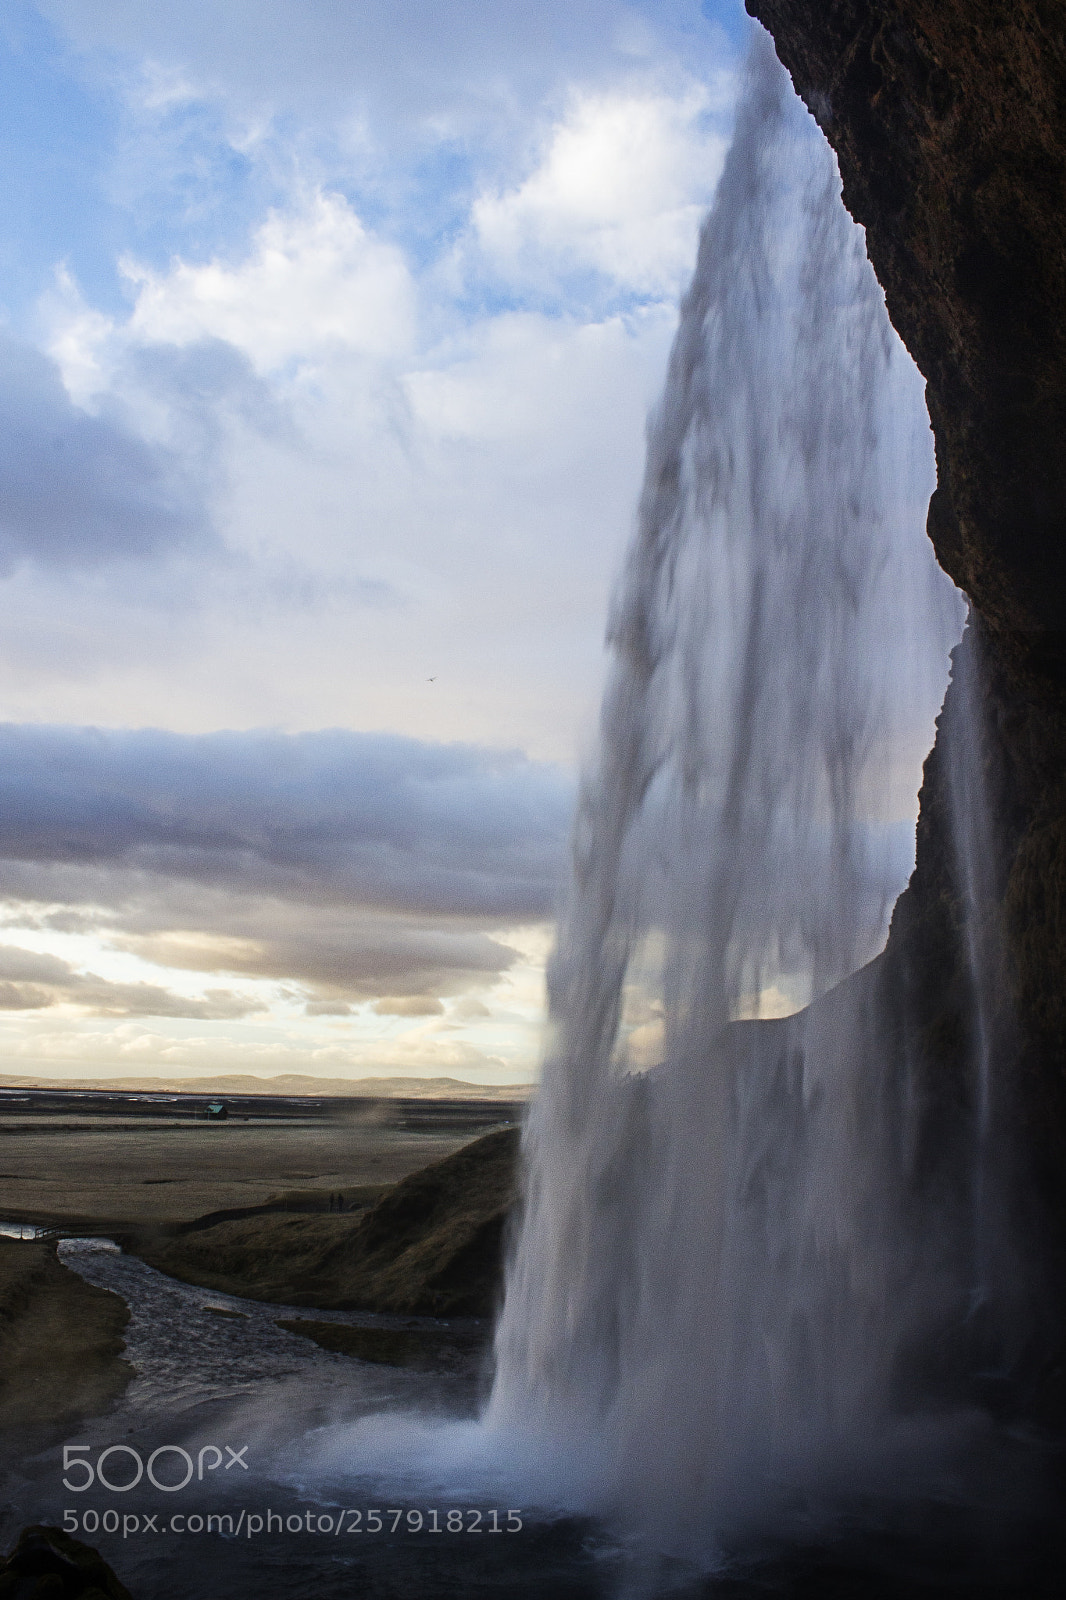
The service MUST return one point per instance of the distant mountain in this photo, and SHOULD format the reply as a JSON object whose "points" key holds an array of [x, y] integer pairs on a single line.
{"points": [[286, 1083]]}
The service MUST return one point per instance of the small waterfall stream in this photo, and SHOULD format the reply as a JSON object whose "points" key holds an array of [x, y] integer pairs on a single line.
{"points": [[717, 1268]]}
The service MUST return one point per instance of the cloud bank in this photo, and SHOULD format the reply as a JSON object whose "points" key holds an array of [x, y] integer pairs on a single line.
{"points": [[336, 817], [350, 867]]}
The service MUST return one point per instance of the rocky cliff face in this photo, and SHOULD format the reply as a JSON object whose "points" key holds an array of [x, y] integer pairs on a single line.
{"points": [[949, 122]]}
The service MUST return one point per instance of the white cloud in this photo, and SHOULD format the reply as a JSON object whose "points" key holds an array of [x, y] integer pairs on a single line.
{"points": [[79, 337], [407, 481], [455, 512], [315, 278], [522, 379], [620, 188], [461, 61]]}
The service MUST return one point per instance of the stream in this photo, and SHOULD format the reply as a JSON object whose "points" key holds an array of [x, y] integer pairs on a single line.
{"points": [[232, 1466]]}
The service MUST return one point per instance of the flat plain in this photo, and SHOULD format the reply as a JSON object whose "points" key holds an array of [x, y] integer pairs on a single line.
{"points": [[63, 1162]]}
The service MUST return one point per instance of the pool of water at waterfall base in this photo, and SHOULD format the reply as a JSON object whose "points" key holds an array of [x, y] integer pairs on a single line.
{"points": [[290, 1449]]}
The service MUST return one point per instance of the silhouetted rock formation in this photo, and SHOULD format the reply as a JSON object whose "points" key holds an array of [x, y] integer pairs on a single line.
{"points": [[949, 121], [47, 1564]]}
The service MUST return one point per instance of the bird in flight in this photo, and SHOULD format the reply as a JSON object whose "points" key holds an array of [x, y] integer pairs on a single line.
{"points": [[431, 680]]}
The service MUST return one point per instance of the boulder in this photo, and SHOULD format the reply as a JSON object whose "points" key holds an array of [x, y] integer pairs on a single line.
{"points": [[47, 1564]]}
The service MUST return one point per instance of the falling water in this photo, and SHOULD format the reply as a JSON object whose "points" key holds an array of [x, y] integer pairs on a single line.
{"points": [[715, 1272], [975, 866]]}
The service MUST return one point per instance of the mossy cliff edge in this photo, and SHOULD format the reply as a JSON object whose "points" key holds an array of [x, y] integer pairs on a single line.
{"points": [[948, 118], [430, 1246], [61, 1343]]}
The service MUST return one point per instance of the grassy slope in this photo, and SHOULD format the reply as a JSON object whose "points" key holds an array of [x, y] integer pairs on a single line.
{"points": [[431, 1246], [60, 1340]]}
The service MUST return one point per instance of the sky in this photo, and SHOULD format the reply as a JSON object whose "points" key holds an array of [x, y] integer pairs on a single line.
{"points": [[328, 334]]}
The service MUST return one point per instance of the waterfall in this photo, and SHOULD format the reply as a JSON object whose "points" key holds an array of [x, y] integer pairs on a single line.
{"points": [[716, 1269], [975, 868]]}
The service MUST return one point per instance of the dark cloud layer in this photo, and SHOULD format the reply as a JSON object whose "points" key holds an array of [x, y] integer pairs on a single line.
{"points": [[80, 491], [338, 818]]}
